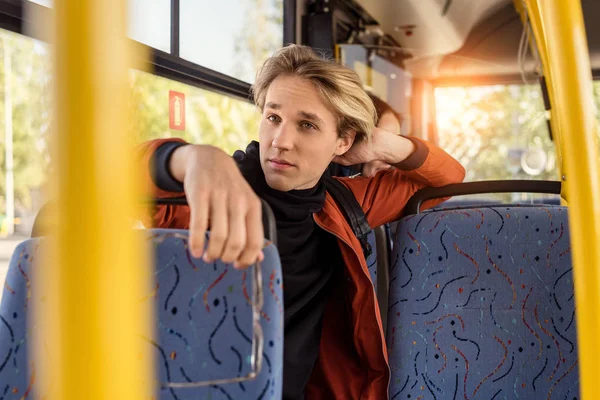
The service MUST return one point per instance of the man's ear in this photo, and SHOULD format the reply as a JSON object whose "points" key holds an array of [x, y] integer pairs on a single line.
{"points": [[345, 142]]}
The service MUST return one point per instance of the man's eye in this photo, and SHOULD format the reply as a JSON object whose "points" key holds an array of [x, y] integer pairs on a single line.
{"points": [[307, 125], [273, 118]]}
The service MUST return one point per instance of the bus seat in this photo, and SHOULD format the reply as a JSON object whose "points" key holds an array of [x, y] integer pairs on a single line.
{"points": [[378, 263], [15, 370], [381, 236], [372, 259], [204, 322], [555, 201], [459, 201], [43, 221], [481, 305], [378, 266]]}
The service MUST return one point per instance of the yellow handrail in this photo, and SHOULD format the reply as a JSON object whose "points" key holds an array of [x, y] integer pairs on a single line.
{"points": [[568, 59], [90, 321], [530, 13]]}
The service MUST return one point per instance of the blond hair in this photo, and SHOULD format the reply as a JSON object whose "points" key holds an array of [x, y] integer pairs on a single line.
{"points": [[339, 87]]}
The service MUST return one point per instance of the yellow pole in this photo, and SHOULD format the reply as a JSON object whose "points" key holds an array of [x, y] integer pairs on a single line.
{"points": [[569, 60], [531, 12], [89, 345]]}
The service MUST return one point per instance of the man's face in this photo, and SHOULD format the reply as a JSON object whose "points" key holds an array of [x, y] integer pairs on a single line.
{"points": [[298, 135]]}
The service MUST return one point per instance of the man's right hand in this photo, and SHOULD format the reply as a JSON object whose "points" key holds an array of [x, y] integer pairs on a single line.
{"points": [[220, 199]]}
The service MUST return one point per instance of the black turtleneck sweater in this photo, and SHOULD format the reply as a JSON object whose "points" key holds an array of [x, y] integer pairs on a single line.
{"points": [[310, 257]]}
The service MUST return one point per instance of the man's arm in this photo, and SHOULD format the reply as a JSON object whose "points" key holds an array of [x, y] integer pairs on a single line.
{"points": [[156, 185], [219, 198], [424, 163], [417, 163]]}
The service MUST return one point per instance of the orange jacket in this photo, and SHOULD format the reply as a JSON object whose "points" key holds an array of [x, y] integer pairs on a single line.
{"points": [[353, 362]]}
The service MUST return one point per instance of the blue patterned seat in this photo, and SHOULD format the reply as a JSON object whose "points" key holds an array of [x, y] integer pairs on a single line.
{"points": [[204, 323], [481, 305], [372, 258], [15, 371]]}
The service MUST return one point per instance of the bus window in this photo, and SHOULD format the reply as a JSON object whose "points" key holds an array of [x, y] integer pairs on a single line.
{"points": [[45, 3], [229, 36], [150, 23], [210, 118], [25, 79], [497, 132]]}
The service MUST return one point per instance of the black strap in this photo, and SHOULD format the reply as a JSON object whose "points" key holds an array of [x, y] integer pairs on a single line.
{"points": [[352, 210]]}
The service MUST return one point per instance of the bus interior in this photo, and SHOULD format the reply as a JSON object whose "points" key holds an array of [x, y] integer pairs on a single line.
{"points": [[478, 297]]}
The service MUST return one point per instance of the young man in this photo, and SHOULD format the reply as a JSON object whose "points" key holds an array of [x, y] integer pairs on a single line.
{"points": [[313, 112]]}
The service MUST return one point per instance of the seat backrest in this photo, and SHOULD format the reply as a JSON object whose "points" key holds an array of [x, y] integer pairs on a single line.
{"points": [[382, 272], [15, 370], [204, 322], [457, 202], [466, 202], [481, 305], [372, 259], [548, 200]]}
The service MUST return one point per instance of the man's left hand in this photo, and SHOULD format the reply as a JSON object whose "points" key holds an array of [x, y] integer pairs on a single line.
{"points": [[384, 146], [363, 151]]}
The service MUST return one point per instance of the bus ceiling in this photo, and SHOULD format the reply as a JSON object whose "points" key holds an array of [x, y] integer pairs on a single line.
{"points": [[447, 42]]}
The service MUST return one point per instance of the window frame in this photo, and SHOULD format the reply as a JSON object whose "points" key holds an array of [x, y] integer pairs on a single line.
{"points": [[167, 65]]}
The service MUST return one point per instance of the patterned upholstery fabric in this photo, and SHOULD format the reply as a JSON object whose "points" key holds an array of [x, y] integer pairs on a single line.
{"points": [[461, 201], [205, 324], [15, 371], [372, 259], [204, 328], [481, 306]]}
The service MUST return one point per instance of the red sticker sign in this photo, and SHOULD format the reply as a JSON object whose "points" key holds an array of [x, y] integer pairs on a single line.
{"points": [[176, 111]]}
